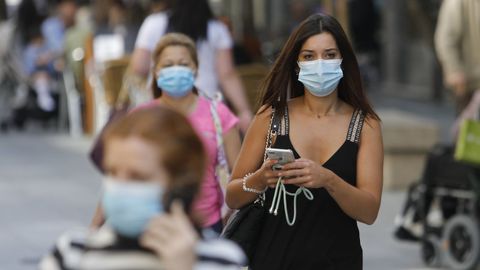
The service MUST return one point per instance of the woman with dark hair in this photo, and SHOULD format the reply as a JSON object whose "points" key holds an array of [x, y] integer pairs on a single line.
{"points": [[313, 104], [195, 19]]}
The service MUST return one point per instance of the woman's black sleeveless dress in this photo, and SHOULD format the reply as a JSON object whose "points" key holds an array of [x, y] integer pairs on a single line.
{"points": [[323, 236]]}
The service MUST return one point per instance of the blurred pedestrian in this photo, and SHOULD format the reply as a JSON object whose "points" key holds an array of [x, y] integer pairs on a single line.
{"points": [[457, 39], [299, 11], [39, 65], [154, 162], [315, 105], [16, 34], [29, 14], [12, 82], [175, 65], [43, 54], [55, 26], [241, 56], [364, 26], [214, 47], [117, 22]]}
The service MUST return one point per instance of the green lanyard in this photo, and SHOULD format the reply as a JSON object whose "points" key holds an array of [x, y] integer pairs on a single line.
{"points": [[281, 192]]}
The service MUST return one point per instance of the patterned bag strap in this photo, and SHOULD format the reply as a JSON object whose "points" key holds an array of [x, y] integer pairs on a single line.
{"points": [[356, 124], [273, 129], [285, 126], [222, 170], [221, 156]]}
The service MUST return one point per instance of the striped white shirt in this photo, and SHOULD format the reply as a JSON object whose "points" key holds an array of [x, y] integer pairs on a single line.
{"points": [[103, 250]]}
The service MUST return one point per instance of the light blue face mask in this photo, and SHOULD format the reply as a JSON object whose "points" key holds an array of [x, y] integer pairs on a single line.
{"points": [[129, 206], [176, 81], [320, 77]]}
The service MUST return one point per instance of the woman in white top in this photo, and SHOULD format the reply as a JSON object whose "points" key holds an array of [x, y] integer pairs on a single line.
{"points": [[195, 19]]}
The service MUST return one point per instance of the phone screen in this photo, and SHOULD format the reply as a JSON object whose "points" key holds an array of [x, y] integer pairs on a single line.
{"points": [[283, 156]]}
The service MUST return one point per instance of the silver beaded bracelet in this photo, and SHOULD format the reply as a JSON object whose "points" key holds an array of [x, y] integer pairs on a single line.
{"points": [[247, 189]]}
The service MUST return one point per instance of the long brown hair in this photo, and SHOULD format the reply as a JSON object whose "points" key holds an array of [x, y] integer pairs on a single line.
{"points": [[282, 78]]}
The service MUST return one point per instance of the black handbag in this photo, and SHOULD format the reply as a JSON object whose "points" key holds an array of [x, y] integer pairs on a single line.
{"points": [[244, 225]]}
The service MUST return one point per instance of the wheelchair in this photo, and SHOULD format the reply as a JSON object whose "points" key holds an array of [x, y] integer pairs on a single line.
{"points": [[442, 212]]}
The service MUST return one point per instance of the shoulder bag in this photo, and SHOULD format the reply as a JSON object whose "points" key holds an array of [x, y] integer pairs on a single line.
{"points": [[245, 225]]}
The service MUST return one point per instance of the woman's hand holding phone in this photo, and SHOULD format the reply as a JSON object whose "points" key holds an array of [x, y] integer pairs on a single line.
{"points": [[306, 173], [281, 158], [267, 174], [300, 172]]}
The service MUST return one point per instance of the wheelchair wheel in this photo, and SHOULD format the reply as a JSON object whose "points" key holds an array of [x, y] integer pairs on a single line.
{"points": [[461, 242], [431, 251]]}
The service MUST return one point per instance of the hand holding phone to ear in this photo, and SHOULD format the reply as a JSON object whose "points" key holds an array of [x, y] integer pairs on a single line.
{"points": [[172, 237]]}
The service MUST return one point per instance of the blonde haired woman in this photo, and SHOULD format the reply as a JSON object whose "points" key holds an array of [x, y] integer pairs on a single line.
{"points": [[175, 67]]}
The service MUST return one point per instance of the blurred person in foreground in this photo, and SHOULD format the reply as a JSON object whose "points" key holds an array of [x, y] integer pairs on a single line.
{"points": [[154, 164], [457, 39], [175, 65], [194, 18]]}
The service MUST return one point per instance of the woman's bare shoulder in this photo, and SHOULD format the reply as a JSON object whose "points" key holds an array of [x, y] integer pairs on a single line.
{"points": [[264, 113], [372, 129], [372, 122]]}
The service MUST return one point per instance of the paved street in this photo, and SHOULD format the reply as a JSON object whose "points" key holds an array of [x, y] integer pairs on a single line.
{"points": [[47, 186]]}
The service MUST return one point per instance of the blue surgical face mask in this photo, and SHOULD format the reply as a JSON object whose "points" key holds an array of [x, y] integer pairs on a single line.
{"points": [[129, 205], [320, 77], [176, 81]]}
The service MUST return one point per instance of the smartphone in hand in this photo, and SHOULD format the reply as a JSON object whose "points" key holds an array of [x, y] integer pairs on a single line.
{"points": [[283, 156]]}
